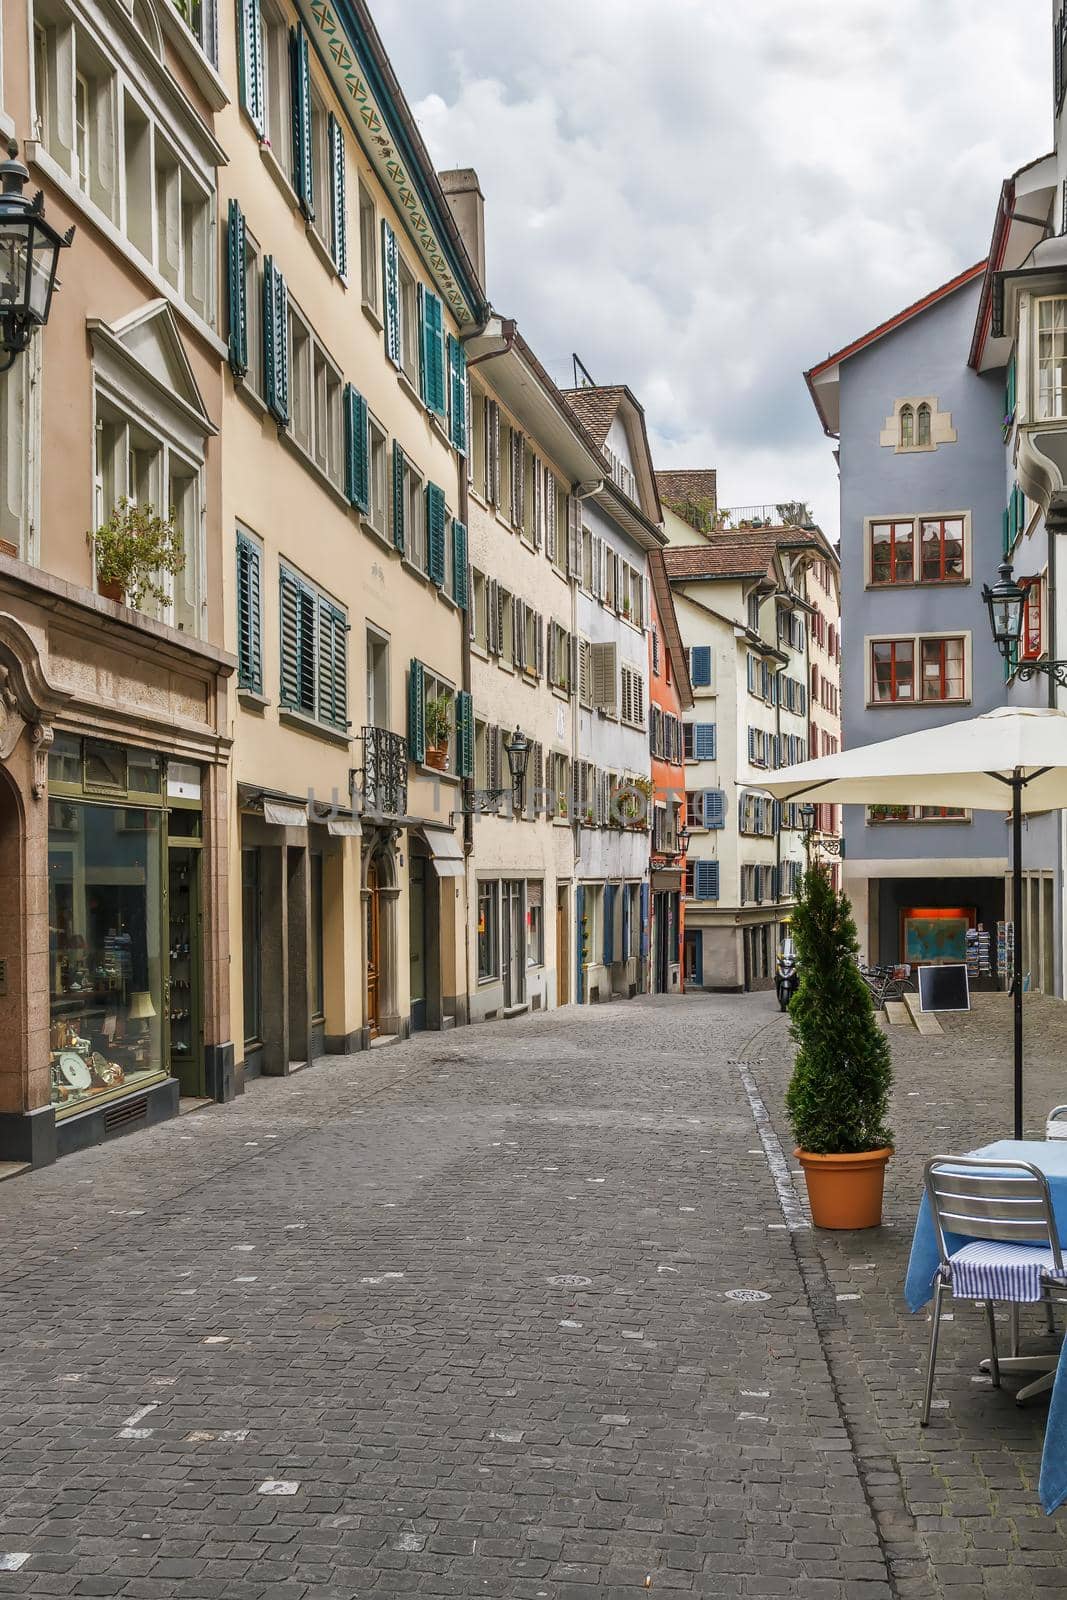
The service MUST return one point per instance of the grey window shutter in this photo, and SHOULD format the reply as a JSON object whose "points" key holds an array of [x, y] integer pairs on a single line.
{"points": [[550, 514], [238, 309], [303, 164], [337, 196], [574, 536], [574, 663], [538, 502], [539, 645], [357, 449], [251, 63], [391, 295], [552, 641]]}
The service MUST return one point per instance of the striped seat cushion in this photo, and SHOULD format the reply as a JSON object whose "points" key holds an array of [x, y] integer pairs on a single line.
{"points": [[986, 1269]]}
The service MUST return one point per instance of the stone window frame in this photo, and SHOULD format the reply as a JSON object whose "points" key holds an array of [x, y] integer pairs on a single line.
{"points": [[941, 429]]}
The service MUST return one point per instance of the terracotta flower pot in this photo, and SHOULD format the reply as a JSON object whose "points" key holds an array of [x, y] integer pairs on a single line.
{"points": [[111, 589], [437, 757], [845, 1191]]}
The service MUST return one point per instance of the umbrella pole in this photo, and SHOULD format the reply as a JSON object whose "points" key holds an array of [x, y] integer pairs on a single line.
{"points": [[1017, 963]]}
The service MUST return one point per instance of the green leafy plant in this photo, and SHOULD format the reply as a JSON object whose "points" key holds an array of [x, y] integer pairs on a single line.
{"points": [[438, 720], [838, 1096], [133, 547]]}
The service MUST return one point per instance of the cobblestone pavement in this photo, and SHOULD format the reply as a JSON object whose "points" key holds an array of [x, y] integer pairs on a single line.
{"points": [[451, 1318], [956, 1504]]}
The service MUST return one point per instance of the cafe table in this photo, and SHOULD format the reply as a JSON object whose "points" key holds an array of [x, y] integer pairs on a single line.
{"points": [[1050, 1157]]}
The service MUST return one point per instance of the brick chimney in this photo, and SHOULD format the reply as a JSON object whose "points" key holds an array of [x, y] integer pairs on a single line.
{"points": [[464, 194]]}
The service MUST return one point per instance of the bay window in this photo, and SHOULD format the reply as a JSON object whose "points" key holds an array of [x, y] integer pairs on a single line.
{"points": [[1052, 358]]}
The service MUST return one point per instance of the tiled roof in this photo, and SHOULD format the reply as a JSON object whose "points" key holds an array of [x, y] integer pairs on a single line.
{"points": [[733, 555], [687, 486], [595, 408]]}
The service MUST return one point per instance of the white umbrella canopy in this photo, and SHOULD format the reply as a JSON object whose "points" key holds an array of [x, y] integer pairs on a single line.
{"points": [[969, 763]]}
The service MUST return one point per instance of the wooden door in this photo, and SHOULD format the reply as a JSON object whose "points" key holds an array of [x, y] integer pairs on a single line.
{"points": [[373, 947], [563, 959]]}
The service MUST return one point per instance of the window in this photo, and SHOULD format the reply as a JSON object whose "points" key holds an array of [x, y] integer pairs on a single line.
{"points": [[183, 224], [200, 18], [559, 657], [941, 543], [425, 686], [253, 314], [368, 248], [377, 679], [409, 323], [314, 652], [19, 443], [378, 515], [1052, 358], [1030, 642], [917, 814], [315, 395], [907, 428], [323, 217], [893, 552], [488, 920], [274, 34], [414, 516], [633, 697], [922, 428], [754, 602], [941, 670], [603, 676], [535, 923], [76, 89]]}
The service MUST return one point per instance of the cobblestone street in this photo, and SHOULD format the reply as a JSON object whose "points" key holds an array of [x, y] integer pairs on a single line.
{"points": [[461, 1317]]}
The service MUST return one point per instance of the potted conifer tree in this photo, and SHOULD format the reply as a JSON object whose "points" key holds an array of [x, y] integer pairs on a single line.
{"points": [[838, 1096]]}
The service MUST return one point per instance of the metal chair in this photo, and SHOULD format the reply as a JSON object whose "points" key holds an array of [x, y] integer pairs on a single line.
{"points": [[1004, 1211]]}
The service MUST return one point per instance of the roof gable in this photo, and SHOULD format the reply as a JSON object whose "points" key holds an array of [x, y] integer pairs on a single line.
{"points": [[611, 414]]}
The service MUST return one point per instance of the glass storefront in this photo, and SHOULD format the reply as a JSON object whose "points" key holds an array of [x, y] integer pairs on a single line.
{"points": [[124, 838]]}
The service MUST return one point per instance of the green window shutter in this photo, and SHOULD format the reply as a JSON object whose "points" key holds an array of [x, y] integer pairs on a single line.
{"points": [[235, 283], [1009, 392], [398, 496], [357, 450], [333, 665], [457, 406], [337, 196], [391, 295], [465, 734], [435, 532], [276, 341], [416, 711], [459, 564], [251, 63], [432, 351], [307, 651], [303, 168], [1005, 521], [289, 607], [249, 617]]}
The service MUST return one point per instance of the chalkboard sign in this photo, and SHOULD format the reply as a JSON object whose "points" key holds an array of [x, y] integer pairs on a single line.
{"points": [[944, 988]]}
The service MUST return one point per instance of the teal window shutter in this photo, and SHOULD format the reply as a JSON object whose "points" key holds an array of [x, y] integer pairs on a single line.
{"points": [[357, 450], [332, 665], [465, 734], [337, 196], [235, 270], [398, 497], [704, 741], [457, 384], [432, 351], [303, 166], [290, 632], [714, 808], [416, 711], [1009, 391], [249, 617], [250, 55], [1005, 520], [459, 564], [391, 295], [435, 533], [276, 341]]}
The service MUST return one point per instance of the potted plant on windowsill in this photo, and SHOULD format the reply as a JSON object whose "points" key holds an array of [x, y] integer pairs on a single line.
{"points": [[438, 731], [838, 1096], [132, 550]]}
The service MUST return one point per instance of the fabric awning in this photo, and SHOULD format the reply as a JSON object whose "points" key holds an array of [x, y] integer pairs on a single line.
{"points": [[446, 852], [344, 827], [284, 814]]}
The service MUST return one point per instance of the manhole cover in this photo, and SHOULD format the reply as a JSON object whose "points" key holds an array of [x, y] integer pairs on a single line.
{"points": [[746, 1294], [570, 1280]]}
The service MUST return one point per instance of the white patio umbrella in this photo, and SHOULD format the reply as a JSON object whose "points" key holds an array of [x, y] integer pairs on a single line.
{"points": [[1014, 757]]}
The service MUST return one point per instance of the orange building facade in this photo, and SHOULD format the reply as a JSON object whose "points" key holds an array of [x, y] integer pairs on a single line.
{"points": [[670, 696]]}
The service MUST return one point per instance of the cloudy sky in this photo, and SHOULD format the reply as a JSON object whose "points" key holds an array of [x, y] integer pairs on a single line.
{"points": [[704, 198]]}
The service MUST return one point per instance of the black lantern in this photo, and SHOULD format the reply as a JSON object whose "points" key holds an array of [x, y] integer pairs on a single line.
{"points": [[1005, 602], [807, 811], [29, 256], [517, 750]]}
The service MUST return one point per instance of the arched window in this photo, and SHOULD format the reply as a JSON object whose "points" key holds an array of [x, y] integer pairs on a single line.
{"points": [[907, 428], [923, 425]]}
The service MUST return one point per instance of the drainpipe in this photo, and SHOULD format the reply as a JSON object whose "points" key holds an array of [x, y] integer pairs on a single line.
{"points": [[467, 786]]}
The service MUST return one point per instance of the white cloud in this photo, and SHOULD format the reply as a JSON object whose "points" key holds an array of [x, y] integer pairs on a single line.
{"points": [[703, 199]]}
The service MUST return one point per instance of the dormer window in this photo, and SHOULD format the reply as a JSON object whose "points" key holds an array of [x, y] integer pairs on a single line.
{"points": [[907, 428]]}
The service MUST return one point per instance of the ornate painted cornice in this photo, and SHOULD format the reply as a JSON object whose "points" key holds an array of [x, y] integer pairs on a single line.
{"points": [[378, 119]]}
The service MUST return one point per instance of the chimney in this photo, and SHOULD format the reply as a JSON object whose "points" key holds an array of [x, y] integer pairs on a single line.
{"points": [[464, 194]]}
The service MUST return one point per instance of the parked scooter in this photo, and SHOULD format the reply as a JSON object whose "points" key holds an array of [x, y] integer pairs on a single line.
{"points": [[786, 976]]}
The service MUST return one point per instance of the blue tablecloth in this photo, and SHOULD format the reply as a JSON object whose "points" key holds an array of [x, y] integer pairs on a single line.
{"points": [[1050, 1157]]}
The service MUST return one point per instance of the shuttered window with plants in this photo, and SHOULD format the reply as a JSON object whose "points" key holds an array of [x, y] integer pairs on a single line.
{"points": [[249, 615], [314, 653]]}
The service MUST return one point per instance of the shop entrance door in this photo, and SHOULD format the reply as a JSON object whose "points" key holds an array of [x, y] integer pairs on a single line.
{"points": [[514, 942], [372, 951], [563, 952], [661, 922], [183, 986], [417, 940]]}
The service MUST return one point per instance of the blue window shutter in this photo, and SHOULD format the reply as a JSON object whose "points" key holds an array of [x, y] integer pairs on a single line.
{"points": [[609, 923], [276, 341], [357, 449], [435, 533], [644, 920], [398, 497], [416, 711], [624, 891], [391, 295], [579, 943], [303, 166], [459, 563], [704, 741], [337, 196], [251, 63], [249, 617], [235, 283], [465, 734], [700, 666], [432, 351], [706, 880], [457, 406], [714, 808]]}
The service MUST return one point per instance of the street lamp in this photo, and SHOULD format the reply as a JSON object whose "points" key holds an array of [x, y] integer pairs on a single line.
{"points": [[29, 256], [517, 749], [1006, 603]]}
